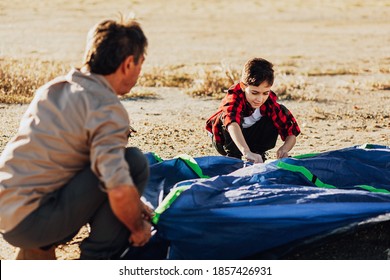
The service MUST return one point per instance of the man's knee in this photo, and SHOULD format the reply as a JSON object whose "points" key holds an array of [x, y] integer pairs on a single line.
{"points": [[139, 167], [134, 154]]}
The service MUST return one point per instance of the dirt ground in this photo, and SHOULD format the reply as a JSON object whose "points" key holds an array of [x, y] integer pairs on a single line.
{"points": [[333, 58]]}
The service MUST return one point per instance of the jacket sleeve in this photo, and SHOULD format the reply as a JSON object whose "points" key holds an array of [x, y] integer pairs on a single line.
{"points": [[108, 129], [232, 107], [282, 118]]}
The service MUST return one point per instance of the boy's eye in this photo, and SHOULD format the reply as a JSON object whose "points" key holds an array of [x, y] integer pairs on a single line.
{"points": [[258, 93]]}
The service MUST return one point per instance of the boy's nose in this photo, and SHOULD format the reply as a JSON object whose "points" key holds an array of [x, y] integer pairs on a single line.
{"points": [[260, 99]]}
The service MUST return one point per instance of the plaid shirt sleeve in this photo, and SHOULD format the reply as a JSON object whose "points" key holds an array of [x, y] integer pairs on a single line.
{"points": [[282, 118], [232, 107], [229, 111]]}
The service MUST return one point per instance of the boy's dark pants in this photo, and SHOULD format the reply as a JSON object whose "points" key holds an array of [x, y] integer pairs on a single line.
{"points": [[260, 138], [81, 201]]}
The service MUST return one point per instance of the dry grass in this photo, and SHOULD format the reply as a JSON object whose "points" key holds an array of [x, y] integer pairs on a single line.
{"points": [[140, 93], [213, 83], [200, 81], [165, 78], [20, 79], [381, 85], [337, 71]]}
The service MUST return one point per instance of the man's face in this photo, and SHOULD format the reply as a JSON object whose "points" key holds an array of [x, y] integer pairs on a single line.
{"points": [[256, 95], [132, 74], [137, 70]]}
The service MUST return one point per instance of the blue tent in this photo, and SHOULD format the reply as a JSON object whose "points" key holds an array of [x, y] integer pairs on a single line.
{"points": [[216, 207]]}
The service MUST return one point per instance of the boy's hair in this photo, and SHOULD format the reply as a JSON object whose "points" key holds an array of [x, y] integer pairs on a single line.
{"points": [[256, 71], [110, 42]]}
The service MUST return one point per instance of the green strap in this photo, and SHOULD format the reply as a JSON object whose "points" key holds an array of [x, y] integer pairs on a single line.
{"points": [[366, 146], [305, 172], [317, 182], [167, 202], [190, 161], [363, 146], [305, 156], [372, 189], [175, 193], [157, 157]]}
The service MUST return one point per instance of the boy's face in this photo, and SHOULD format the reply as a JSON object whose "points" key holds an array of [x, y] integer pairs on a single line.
{"points": [[256, 95]]}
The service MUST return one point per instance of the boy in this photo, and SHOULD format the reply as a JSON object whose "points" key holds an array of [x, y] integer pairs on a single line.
{"points": [[249, 118]]}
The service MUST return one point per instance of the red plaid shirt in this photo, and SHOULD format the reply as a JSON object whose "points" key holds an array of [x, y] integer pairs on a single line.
{"points": [[234, 107]]}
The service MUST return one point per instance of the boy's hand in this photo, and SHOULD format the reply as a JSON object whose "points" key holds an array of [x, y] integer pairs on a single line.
{"points": [[281, 153], [253, 157], [289, 143]]}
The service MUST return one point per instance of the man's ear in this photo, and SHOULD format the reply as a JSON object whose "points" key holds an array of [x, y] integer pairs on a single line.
{"points": [[128, 63], [242, 85]]}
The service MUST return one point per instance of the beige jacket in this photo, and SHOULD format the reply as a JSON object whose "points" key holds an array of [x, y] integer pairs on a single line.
{"points": [[73, 121]]}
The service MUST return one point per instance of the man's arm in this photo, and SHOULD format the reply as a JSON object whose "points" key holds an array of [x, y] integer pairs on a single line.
{"points": [[126, 204], [238, 138]]}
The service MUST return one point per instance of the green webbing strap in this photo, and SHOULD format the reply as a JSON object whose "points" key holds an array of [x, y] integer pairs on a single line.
{"points": [[305, 156], [313, 178], [363, 146], [167, 202], [157, 157], [175, 193], [372, 189], [366, 146], [305, 172], [190, 161]]}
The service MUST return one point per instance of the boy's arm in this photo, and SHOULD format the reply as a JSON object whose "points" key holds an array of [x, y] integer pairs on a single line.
{"points": [[286, 125], [289, 143], [238, 138]]}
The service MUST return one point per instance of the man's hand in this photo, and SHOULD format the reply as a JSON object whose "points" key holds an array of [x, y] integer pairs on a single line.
{"points": [[147, 212], [141, 237], [126, 205]]}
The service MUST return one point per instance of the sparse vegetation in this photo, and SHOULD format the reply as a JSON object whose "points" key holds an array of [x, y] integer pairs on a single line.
{"points": [[381, 85], [140, 93], [20, 79], [165, 78], [333, 71]]}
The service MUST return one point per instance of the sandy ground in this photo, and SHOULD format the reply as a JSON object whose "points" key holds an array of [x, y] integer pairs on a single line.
{"points": [[334, 58]]}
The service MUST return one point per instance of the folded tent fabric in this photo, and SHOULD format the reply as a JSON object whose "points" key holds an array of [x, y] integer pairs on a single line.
{"points": [[164, 174], [242, 212]]}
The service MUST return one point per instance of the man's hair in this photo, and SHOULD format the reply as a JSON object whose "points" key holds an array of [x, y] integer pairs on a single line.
{"points": [[256, 71], [110, 42]]}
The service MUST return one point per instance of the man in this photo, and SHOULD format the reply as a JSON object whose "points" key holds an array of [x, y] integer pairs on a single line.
{"points": [[68, 164]]}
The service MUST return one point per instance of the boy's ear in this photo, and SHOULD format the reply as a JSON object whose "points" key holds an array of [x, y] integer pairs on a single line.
{"points": [[242, 85]]}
